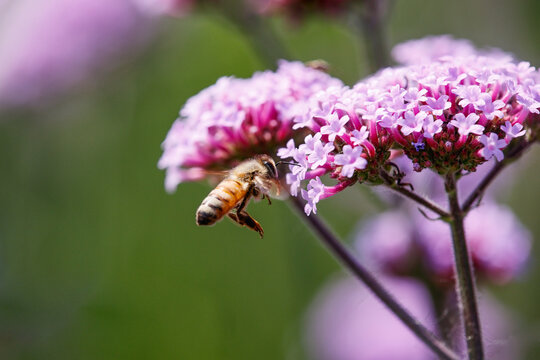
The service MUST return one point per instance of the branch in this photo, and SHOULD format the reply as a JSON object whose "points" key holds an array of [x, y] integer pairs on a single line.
{"points": [[347, 259], [509, 158], [464, 274], [370, 20], [392, 184]]}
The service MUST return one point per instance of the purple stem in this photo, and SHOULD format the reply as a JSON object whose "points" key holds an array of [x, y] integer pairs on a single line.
{"points": [[394, 185], [465, 286], [347, 259], [510, 157]]}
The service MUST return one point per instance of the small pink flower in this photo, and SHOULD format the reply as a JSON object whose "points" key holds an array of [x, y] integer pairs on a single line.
{"points": [[359, 136], [319, 156], [512, 131], [491, 109], [315, 190], [437, 106], [492, 146], [531, 104], [335, 126], [351, 160], [469, 94], [467, 125], [431, 127], [411, 122]]}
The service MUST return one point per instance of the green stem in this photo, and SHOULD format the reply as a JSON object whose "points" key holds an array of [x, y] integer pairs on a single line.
{"points": [[263, 40], [370, 20], [347, 259], [465, 285]]}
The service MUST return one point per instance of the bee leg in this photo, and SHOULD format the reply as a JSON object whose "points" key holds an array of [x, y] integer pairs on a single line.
{"points": [[245, 200], [267, 198], [244, 219], [234, 217]]}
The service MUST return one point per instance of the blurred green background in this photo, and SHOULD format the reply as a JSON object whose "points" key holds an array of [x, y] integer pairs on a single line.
{"points": [[98, 262]]}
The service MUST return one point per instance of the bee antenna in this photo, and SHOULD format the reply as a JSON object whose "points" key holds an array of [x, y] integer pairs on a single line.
{"points": [[287, 163]]}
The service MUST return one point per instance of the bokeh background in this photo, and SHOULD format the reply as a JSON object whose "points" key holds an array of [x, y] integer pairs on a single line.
{"points": [[97, 261]]}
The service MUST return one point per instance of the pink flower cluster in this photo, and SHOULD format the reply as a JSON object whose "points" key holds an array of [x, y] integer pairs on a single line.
{"points": [[499, 244], [448, 115], [237, 118]]}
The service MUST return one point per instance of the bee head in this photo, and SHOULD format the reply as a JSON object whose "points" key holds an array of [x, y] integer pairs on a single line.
{"points": [[269, 165]]}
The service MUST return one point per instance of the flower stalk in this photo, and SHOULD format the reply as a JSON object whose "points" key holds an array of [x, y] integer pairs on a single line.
{"points": [[348, 260], [394, 185], [465, 285], [512, 155], [370, 21], [266, 44]]}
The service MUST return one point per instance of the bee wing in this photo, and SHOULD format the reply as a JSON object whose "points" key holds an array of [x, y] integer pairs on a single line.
{"points": [[278, 191], [215, 176]]}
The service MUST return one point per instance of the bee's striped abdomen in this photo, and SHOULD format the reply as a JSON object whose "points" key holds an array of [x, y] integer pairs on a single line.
{"points": [[219, 202]]}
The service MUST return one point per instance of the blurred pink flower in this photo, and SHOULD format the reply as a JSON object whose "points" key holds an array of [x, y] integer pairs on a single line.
{"points": [[386, 241], [346, 322], [431, 48], [166, 7], [47, 46], [438, 47], [498, 243], [399, 243]]}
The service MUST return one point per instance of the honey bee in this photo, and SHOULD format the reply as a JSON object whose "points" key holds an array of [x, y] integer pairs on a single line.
{"points": [[253, 178]]}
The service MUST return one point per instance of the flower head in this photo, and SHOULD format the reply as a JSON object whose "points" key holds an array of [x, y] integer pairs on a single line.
{"points": [[237, 118], [447, 115]]}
